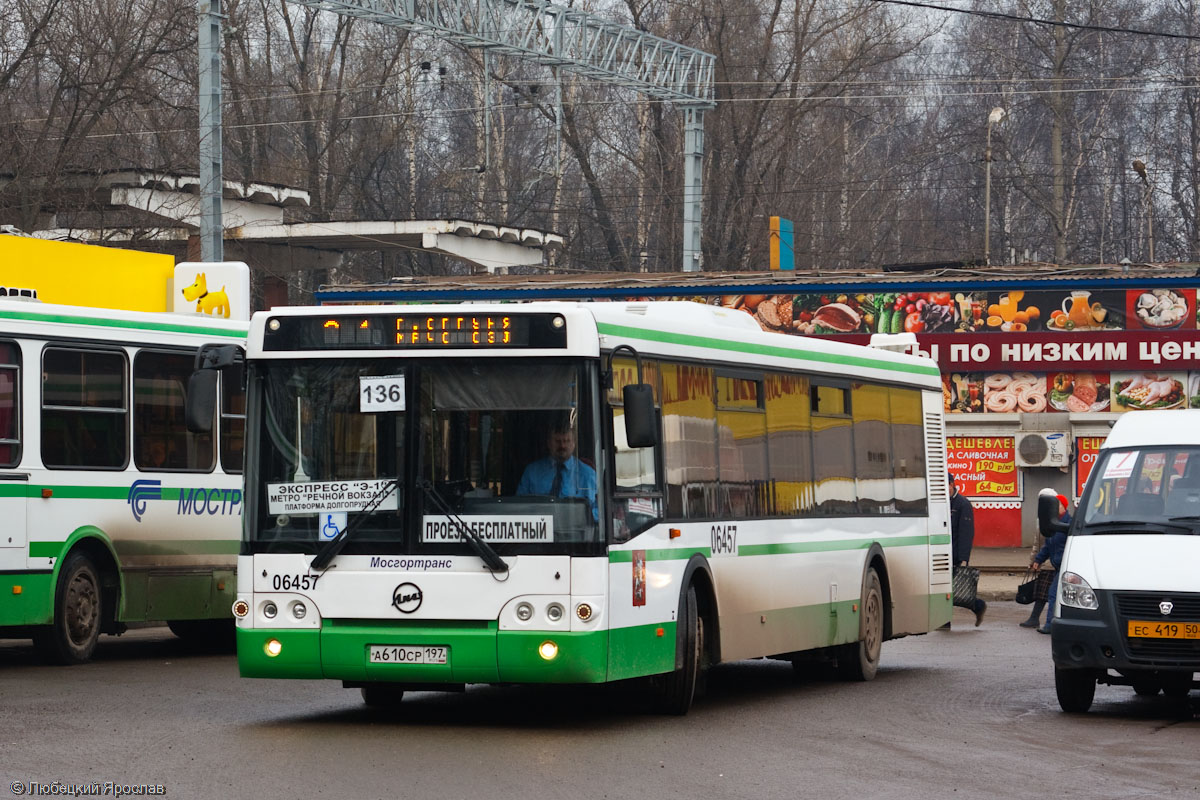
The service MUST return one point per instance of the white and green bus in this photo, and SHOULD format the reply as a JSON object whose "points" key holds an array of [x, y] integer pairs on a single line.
{"points": [[113, 512], [724, 494]]}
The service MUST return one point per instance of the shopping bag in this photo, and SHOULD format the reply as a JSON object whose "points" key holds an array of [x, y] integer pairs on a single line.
{"points": [[1027, 591], [1045, 579], [966, 586]]}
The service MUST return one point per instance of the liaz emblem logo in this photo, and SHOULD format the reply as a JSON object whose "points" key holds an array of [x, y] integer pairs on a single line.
{"points": [[407, 598], [139, 493], [1166, 607]]}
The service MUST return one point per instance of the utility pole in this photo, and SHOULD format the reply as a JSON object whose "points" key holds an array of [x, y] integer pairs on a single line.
{"points": [[212, 243]]}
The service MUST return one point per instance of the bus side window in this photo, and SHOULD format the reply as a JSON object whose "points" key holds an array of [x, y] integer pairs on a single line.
{"points": [[84, 409], [10, 434]]}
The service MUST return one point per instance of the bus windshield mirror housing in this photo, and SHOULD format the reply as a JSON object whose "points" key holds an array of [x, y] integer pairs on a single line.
{"points": [[641, 423], [641, 429], [200, 407]]}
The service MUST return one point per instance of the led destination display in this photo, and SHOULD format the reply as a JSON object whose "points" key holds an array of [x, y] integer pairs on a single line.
{"points": [[416, 331]]}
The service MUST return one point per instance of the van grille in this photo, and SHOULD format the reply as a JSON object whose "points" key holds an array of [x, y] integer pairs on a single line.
{"points": [[1144, 606]]}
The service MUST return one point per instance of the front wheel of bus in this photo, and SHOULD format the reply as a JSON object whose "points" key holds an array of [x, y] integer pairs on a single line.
{"points": [[678, 688], [382, 695], [77, 606], [859, 661]]}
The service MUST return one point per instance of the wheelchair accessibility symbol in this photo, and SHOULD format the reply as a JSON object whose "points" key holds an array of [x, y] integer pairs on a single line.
{"points": [[332, 523]]}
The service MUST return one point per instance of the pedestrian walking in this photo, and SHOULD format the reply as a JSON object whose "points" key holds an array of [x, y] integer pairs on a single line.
{"points": [[1051, 551], [962, 537]]}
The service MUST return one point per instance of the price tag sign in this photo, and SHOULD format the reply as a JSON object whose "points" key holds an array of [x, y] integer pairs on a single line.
{"points": [[381, 393]]}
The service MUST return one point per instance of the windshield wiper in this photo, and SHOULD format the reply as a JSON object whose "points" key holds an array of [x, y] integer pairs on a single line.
{"points": [[481, 548], [334, 545], [1116, 526]]}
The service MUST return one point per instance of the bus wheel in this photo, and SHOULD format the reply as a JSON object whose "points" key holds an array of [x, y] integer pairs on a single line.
{"points": [[1076, 688], [213, 634], [678, 688], [382, 695], [77, 604], [859, 661]]}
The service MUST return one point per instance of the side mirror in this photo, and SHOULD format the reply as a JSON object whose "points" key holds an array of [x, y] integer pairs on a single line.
{"points": [[641, 421], [1047, 512], [200, 409]]}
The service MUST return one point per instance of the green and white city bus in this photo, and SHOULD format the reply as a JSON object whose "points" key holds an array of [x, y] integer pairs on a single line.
{"points": [[113, 512], [732, 494]]}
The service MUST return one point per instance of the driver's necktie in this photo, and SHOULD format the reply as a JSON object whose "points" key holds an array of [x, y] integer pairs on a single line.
{"points": [[556, 486]]}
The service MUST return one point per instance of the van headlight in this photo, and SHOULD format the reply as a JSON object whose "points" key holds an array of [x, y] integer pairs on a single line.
{"points": [[1074, 591]]}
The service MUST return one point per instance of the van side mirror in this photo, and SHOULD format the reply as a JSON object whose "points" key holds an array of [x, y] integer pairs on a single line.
{"points": [[1047, 513], [641, 421]]}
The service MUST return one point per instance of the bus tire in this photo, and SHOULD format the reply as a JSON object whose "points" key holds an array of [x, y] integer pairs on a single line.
{"points": [[859, 661], [678, 688], [382, 695], [1076, 689], [78, 603]]}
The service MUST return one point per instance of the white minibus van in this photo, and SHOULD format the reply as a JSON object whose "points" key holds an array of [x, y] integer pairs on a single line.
{"points": [[1128, 608]]}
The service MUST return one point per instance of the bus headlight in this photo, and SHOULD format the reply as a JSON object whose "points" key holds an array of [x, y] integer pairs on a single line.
{"points": [[524, 612], [270, 610], [241, 608], [548, 650], [299, 610], [273, 647], [583, 611], [554, 612], [1075, 591]]}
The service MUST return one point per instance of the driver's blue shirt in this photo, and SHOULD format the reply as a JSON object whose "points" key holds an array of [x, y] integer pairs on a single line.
{"points": [[578, 480]]}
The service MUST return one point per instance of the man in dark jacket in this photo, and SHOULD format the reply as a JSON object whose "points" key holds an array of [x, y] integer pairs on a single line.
{"points": [[962, 537]]}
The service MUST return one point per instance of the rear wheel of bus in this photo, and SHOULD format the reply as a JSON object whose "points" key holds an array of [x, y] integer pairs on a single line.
{"points": [[78, 605], [859, 661]]}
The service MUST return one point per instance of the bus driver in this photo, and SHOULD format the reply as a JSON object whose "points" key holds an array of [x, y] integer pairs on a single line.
{"points": [[560, 474]]}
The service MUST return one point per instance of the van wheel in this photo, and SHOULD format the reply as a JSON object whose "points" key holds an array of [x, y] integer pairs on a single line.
{"points": [[677, 689], [1176, 685], [859, 661], [72, 638], [1146, 687], [1076, 689]]}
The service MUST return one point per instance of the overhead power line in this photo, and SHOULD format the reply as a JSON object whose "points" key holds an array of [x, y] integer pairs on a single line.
{"points": [[1037, 21]]}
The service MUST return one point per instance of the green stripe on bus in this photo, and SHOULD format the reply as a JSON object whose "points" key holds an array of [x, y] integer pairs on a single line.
{"points": [[151, 547], [782, 548], [99, 492], [682, 554], [101, 322], [666, 554], [763, 349]]}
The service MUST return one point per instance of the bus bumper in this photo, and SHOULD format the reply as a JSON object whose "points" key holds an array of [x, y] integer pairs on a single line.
{"points": [[478, 653]]}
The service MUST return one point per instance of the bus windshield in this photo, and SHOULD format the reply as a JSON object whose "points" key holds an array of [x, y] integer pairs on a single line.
{"points": [[503, 447], [1154, 486]]}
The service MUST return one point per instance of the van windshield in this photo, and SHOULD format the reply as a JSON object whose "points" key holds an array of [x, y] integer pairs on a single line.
{"points": [[1155, 486]]}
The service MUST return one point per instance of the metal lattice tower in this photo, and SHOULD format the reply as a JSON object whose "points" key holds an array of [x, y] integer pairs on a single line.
{"points": [[574, 41]]}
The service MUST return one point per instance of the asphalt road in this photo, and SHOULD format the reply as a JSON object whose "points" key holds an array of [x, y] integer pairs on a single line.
{"points": [[965, 713]]}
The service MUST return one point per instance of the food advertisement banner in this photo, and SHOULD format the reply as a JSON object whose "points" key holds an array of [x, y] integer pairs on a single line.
{"points": [[1087, 449], [983, 466], [1071, 312], [1073, 351]]}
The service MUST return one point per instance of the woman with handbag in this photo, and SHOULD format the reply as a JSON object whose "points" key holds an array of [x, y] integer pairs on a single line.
{"points": [[1052, 550]]}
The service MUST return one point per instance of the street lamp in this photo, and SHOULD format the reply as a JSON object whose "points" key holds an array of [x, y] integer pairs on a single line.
{"points": [[993, 119], [1139, 167]]}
